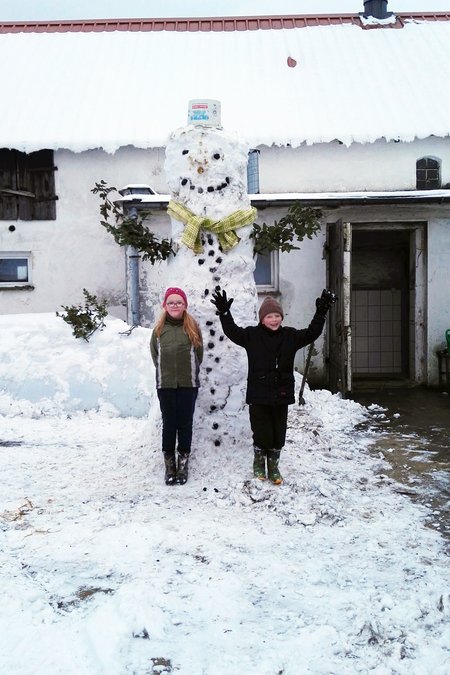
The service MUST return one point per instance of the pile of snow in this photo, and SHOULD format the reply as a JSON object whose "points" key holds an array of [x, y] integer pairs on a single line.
{"points": [[43, 368], [107, 570]]}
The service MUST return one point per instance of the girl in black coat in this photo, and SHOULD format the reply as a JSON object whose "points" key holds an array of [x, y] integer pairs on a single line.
{"points": [[271, 350]]}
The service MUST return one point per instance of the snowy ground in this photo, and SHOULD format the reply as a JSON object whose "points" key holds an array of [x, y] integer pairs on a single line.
{"points": [[106, 571]]}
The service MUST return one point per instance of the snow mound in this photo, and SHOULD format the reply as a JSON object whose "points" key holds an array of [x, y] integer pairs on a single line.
{"points": [[44, 369], [105, 569]]}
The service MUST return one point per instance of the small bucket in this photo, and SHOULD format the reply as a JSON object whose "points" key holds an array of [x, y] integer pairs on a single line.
{"points": [[447, 337]]}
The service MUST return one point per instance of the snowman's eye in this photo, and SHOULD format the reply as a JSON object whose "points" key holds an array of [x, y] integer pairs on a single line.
{"points": [[216, 155], [185, 152]]}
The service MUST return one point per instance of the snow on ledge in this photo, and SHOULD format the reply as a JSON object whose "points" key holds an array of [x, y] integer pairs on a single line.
{"points": [[373, 21], [412, 195]]}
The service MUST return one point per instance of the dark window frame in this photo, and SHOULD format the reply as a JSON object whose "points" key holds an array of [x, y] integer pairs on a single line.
{"points": [[428, 173], [269, 263], [27, 185], [7, 278]]}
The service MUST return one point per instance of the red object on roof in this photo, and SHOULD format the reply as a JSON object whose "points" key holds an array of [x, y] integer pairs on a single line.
{"points": [[219, 24]]}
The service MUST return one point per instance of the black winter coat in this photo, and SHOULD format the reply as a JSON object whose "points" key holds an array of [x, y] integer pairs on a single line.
{"points": [[271, 357]]}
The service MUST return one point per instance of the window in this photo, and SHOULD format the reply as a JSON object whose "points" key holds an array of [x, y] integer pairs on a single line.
{"points": [[27, 185], [266, 271], [428, 174], [15, 270]]}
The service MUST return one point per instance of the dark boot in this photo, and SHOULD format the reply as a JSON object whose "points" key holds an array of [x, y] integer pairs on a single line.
{"points": [[170, 476], [182, 470], [259, 463], [273, 457]]}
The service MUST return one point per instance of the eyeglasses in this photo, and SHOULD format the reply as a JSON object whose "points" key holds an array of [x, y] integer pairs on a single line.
{"points": [[175, 304]]}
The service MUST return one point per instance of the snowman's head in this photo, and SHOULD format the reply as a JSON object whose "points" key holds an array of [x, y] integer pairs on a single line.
{"points": [[206, 169]]}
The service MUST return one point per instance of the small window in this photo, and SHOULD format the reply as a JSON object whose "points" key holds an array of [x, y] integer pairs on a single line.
{"points": [[428, 174], [27, 185], [15, 270], [266, 271]]}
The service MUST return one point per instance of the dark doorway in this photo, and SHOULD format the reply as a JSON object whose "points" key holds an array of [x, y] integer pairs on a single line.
{"points": [[377, 329], [380, 304]]}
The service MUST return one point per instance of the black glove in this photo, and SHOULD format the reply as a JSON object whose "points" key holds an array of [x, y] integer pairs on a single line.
{"points": [[325, 301], [221, 301]]}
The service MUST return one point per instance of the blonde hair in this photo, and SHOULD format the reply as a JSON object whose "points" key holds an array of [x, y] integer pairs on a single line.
{"points": [[190, 327]]}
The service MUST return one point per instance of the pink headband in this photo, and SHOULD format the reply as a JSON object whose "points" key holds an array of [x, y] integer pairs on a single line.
{"points": [[173, 290]]}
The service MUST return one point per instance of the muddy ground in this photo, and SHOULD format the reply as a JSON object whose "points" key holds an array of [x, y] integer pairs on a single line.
{"points": [[411, 429]]}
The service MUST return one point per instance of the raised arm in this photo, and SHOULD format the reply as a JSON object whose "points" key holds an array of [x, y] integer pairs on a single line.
{"points": [[222, 303], [315, 328]]}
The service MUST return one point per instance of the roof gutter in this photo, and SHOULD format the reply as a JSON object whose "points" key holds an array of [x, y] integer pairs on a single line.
{"points": [[326, 199], [333, 199]]}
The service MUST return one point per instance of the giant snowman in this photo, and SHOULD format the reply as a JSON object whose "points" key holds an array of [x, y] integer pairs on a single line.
{"points": [[211, 215]]}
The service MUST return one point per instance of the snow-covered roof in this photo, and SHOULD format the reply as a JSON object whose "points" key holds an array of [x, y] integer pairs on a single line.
{"points": [[280, 80]]}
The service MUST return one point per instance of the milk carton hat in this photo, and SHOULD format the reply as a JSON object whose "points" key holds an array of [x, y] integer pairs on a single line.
{"points": [[270, 306]]}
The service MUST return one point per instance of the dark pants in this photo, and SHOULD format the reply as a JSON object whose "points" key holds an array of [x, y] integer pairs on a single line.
{"points": [[269, 424], [177, 409]]}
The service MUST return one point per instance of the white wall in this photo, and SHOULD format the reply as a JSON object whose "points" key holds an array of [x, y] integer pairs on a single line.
{"points": [[438, 290], [333, 167], [75, 252]]}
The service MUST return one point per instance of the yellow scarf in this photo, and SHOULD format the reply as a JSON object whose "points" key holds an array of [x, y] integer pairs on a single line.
{"points": [[224, 229]]}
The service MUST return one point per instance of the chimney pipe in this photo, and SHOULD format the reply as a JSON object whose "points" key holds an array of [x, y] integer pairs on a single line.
{"points": [[376, 8]]}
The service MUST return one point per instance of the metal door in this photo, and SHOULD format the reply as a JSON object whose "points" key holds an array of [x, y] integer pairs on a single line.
{"points": [[339, 250]]}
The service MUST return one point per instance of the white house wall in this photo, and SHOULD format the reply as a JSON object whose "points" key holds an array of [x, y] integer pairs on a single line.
{"points": [[75, 252], [334, 167], [438, 299]]}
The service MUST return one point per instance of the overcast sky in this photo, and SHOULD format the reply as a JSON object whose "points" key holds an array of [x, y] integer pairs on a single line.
{"points": [[19, 10]]}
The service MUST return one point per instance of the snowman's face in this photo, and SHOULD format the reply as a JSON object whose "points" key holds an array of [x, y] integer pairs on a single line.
{"points": [[206, 170]]}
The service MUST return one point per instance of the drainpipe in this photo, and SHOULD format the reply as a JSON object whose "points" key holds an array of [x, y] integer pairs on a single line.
{"points": [[132, 279], [132, 256], [253, 172]]}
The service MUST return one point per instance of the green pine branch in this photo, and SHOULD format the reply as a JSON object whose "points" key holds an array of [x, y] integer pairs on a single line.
{"points": [[85, 320], [298, 223], [128, 231]]}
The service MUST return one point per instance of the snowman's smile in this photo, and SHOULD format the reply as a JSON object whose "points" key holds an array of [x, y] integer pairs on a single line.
{"points": [[210, 188]]}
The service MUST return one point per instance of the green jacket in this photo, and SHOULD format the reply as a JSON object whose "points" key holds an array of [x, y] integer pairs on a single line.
{"points": [[177, 361]]}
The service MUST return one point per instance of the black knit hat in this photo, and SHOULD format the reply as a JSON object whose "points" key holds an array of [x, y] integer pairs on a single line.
{"points": [[270, 306]]}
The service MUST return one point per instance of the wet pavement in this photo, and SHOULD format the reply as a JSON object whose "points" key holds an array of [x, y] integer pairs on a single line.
{"points": [[411, 429]]}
